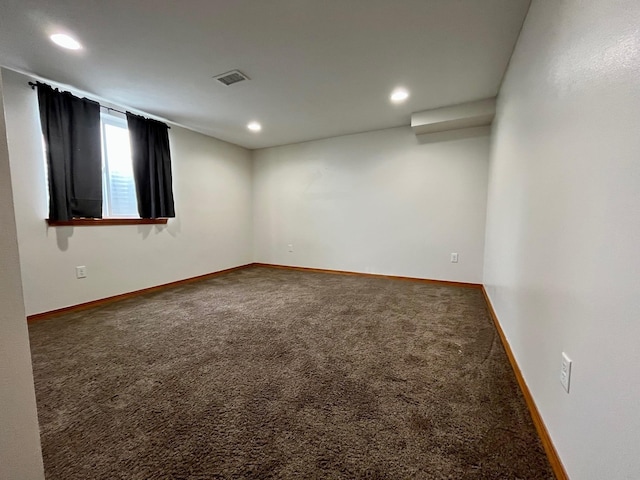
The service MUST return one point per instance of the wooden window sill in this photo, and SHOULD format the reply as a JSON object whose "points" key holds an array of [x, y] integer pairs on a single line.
{"points": [[101, 222]]}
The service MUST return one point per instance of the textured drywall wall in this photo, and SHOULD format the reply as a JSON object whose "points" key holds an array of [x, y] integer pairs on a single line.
{"points": [[562, 256], [384, 202]]}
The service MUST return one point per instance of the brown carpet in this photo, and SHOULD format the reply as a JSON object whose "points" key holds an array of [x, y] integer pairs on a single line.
{"points": [[266, 373]]}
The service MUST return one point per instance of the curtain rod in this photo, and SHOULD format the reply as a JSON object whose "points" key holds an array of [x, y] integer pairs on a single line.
{"points": [[34, 85]]}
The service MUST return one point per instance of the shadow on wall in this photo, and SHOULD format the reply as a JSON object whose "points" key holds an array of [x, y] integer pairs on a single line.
{"points": [[63, 234], [145, 230], [172, 228], [452, 135]]}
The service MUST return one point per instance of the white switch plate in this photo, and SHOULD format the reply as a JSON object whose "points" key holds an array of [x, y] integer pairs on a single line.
{"points": [[454, 258], [81, 272], [290, 247], [565, 372]]}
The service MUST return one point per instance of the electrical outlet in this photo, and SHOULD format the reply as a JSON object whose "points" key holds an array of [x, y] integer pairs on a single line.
{"points": [[81, 272], [454, 258], [290, 247], [565, 371]]}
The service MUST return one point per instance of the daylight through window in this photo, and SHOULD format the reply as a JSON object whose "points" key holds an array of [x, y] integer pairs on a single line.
{"points": [[117, 170]]}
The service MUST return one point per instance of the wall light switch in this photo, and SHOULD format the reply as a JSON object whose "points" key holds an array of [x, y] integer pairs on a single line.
{"points": [[81, 272], [565, 372], [290, 247], [454, 258]]}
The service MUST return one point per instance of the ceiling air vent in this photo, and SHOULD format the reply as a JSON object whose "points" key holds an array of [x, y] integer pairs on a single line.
{"points": [[229, 78]]}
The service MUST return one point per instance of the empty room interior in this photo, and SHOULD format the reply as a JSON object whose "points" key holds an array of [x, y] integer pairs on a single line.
{"points": [[362, 239]]}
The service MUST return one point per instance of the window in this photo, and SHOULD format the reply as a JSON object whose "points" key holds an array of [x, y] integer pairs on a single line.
{"points": [[89, 158], [118, 185]]}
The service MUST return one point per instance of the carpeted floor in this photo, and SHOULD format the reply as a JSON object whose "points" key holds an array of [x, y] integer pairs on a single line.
{"points": [[265, 373]]}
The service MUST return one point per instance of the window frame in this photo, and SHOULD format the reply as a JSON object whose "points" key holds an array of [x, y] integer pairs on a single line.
{"points": [[97, 222]]}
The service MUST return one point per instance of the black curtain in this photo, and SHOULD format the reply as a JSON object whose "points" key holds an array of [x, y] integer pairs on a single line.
{"points": [[71, 129], [151, 166]]}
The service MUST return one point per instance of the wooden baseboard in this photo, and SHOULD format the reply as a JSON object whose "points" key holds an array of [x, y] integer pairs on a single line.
{"points": [[372, 275], [552, 454], [115, 298]]}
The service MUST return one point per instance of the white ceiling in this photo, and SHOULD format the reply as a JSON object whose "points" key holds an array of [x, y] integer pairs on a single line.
{"points": [[318, 68]]}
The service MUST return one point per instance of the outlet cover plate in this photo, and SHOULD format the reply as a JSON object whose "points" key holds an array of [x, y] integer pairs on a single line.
{"points": [[81, 272]]}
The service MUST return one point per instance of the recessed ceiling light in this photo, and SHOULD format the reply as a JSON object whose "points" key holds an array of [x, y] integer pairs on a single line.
{"points": [[65, 41], [254, 126], [399, 95]]}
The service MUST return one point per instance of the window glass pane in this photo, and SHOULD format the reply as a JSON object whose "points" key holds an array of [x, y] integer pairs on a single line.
{"points": [[120, 187]]}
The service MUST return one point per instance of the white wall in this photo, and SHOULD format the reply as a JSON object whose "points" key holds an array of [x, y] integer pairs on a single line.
{"points": [[211, 231], [20, 455], [563, 229], [384, 202]]}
